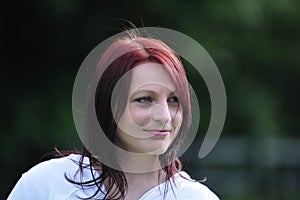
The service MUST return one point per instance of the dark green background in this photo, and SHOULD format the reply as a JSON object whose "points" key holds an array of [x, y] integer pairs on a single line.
{"points": [[255, 44]]}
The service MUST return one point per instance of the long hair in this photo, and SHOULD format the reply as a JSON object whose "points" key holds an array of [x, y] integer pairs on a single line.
{"points": [[139, 50]]}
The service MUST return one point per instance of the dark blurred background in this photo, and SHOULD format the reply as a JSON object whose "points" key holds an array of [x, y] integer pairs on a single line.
{"points": [[255, 44]]}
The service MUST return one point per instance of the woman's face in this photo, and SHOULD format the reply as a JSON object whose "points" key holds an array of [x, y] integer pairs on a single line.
{"points": [[153, 115]]}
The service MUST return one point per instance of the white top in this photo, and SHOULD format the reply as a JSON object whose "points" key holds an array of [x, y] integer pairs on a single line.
{"points": [[47, 181]]}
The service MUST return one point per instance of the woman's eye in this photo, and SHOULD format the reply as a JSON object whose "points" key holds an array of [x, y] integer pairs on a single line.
{"points": [[144, 100], [173, 100]]}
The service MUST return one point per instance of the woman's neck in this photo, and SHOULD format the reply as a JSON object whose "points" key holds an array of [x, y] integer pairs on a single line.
{"points": [[142, 171], [138, 163], [140, 183]]}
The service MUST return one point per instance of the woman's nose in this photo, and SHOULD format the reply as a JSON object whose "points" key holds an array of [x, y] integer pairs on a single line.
{"points": [[160, 112]]}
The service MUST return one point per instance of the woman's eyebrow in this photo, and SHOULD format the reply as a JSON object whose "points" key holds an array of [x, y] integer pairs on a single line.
{"points": [[151, 92], [146, 91], [172, 93]]}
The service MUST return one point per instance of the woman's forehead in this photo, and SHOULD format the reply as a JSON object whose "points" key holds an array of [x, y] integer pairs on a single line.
{"points": [[148, 74]]}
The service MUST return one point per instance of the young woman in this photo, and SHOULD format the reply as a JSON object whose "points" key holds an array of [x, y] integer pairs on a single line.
{"points": [[142, 104]]}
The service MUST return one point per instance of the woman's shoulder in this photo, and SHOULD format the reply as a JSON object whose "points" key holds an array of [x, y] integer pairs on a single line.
{"points": [[187, 188], [49, 177], [49, 169]]}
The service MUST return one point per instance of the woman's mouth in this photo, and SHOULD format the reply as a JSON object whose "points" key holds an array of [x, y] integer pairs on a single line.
{"points": [[159, 132]]}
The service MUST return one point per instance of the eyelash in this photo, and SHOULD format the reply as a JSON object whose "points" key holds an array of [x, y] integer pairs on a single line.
{"points": [[144, 99]]}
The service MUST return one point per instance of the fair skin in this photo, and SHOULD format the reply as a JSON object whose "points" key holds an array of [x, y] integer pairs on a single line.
{"points": [[148, 126]]}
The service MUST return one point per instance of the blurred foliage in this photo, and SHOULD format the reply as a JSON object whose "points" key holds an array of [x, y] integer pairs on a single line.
{"points": [[254, 43]]}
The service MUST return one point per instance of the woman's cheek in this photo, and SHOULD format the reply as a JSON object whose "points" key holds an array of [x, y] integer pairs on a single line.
{"points": [[177, 120], [139, 116]]}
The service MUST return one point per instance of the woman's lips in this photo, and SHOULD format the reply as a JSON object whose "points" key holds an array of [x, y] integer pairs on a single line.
{"points": [[159, 132]]}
